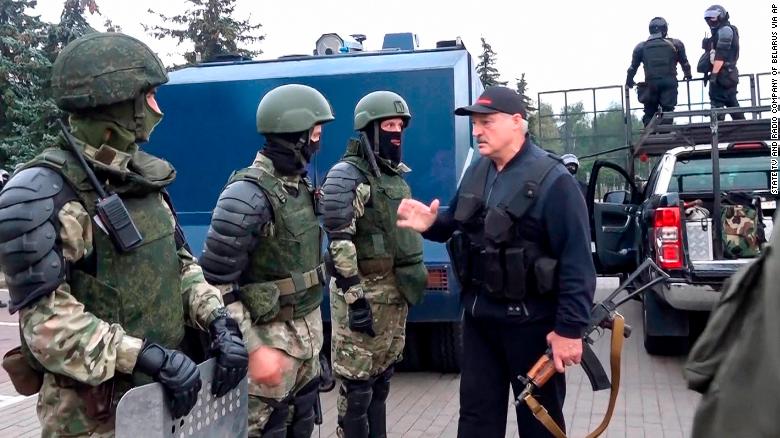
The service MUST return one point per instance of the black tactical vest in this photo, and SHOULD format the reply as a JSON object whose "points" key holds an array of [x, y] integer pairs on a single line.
{"points": [[496, 250], [732, 55], [659, 58]]}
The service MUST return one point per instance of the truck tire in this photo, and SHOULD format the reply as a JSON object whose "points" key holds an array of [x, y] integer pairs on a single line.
{"points": [[446, 347], [413, 359], [655, 313]]}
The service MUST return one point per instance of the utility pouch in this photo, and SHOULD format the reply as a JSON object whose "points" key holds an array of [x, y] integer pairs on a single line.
{"points": [[498, 226], [546, 275], [468, 205], [262, 301], [641, 92], [26, 379], [516, 276], [493, 271]]}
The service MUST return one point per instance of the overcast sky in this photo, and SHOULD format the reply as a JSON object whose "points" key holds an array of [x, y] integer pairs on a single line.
{"points": [[557, 44]]}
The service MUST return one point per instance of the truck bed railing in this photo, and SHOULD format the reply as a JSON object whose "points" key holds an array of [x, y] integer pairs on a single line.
{"points": [[661, 134]]}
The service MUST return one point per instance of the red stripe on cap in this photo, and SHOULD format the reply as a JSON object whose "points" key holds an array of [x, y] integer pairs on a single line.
{"points": [[485, 100]]}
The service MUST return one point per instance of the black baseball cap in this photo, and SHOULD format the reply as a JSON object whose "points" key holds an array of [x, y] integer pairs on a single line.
{"points": [[496, 100]]}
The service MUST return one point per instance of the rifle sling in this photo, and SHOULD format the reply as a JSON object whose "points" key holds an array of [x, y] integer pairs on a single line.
{"points": [[614, 361]]}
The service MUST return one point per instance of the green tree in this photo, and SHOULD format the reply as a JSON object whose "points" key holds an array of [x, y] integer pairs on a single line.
{"points": [[575, 129], [210, 26], [522, 90], [486, 68], [543, 126], [28, 46], [73, 24], [25, 111]]}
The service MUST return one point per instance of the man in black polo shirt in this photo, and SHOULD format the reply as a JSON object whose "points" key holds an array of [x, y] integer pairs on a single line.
{"points": [[518, 235]]}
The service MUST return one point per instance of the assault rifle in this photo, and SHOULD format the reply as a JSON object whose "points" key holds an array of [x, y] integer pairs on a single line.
{"points": [[604, 315]]}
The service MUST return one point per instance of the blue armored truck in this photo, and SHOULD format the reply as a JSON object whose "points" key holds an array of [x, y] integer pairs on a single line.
{"points": [[209, 131]]}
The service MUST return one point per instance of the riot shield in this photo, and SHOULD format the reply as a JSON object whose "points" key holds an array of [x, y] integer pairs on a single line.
{"points": [[143, 412]]}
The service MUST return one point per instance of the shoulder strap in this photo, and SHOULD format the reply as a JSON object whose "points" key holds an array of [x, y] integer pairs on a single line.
{"points": [[476, 184], [276, 193], [471, 193], [519, 204], [670, 43], [181, 239]]}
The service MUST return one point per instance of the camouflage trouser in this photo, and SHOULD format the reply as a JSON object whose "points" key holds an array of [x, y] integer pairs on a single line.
{"points": [[357, 356], [301, 340], [302, 373], [62, 413]]}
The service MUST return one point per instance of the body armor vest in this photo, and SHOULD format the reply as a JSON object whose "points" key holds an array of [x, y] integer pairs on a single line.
{"points": [[496, 250], [140, 289], [382, 247], [659, 58], [733, 54], [290, 254]]}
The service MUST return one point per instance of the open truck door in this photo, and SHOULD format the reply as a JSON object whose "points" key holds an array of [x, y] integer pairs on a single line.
{"points": [[614, 227]]}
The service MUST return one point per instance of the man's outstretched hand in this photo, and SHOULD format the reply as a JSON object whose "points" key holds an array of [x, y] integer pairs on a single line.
{"points": [[416, 215]]}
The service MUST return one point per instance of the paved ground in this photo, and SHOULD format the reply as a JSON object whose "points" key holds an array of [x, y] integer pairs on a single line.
{"points": [[653, 401]]}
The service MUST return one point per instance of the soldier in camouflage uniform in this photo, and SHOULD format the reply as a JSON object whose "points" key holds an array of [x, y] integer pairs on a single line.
{"points": [[377, 269], [97, 320], [263, 250]]}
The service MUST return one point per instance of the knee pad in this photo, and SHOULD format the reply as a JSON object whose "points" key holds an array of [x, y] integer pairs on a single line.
{"points": [[381, 386], [303, 415], [306, 397], [358, 394]]}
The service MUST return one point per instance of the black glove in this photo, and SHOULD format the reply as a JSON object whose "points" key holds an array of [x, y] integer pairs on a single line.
{"points": [[227, 345], [175, 371], [688, 77], [630, 83], [360, 317]]}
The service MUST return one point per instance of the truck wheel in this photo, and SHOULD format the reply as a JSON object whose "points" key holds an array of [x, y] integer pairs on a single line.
{"points": [[654, 313], [413, 359], [446, 347]]}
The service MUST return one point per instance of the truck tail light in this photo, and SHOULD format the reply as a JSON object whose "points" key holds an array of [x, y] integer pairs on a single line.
{"points": [[437, 278], [668, 237]]}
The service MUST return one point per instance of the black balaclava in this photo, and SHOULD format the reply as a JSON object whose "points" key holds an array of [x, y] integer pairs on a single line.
{"points": [[290, 152], [383, 143]]}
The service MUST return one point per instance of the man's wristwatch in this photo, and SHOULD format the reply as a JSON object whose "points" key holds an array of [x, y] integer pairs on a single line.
{"points": [[353, 294]]}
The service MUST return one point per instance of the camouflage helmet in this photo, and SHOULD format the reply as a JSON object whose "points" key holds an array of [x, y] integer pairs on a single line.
{"points": [[380, 105], [292, 108], [103, 68]]}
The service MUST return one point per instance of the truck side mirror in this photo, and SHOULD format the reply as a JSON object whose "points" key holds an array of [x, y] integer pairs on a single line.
{"points": [[617, 197]]}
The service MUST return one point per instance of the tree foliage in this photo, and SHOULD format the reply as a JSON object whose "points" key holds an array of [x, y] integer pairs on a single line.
{"points": [[212, 29], [28, 47], [486, 68]]}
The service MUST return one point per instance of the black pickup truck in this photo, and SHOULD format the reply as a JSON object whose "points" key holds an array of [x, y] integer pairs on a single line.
{"points": [[653, 220]]}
